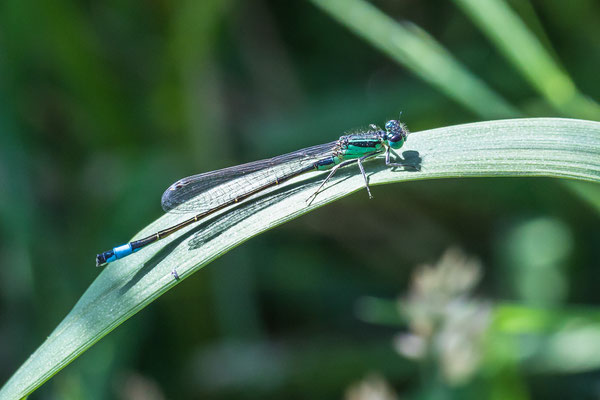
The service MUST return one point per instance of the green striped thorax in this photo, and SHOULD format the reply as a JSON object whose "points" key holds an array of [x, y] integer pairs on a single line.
{"points": [[364, 144]]}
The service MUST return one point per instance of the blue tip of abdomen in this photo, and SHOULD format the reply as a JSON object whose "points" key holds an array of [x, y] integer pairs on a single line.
{"points": [[114, 254], [122, 251]]}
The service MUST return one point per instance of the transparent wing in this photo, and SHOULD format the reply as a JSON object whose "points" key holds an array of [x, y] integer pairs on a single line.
{"points": [[204, 191]]}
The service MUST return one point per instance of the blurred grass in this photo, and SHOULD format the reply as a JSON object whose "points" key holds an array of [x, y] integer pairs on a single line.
{"points": [[547, 339], [525, 52], [416, 50]]}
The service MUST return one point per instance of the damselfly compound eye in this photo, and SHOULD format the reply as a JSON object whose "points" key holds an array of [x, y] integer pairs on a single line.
{"points": [[391, 125]]}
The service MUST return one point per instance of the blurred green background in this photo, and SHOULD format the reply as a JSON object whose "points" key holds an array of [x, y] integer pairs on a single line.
{"points": [[104, 104]]}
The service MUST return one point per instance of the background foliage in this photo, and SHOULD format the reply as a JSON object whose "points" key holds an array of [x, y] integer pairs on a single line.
{"points": [[104, 105]]}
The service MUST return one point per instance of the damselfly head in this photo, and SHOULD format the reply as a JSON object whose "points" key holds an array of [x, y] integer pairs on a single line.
{"points": [[395, 133]]}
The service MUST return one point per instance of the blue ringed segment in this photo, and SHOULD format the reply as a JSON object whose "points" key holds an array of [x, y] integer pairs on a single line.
{"points": [[122, 251]]}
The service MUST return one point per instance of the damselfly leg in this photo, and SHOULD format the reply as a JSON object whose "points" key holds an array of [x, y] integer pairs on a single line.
{"points": [[359, 161]]}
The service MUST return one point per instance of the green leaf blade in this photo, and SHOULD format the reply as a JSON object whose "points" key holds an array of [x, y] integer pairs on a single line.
{"points": [[560, 148]]}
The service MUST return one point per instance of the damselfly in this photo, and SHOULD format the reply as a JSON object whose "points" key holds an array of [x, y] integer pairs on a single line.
{"points": [[210, 192]]}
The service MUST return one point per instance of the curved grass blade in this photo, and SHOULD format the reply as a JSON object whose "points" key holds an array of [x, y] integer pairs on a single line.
{"points": [[523, 49], [560, 148], [416, 50]]}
